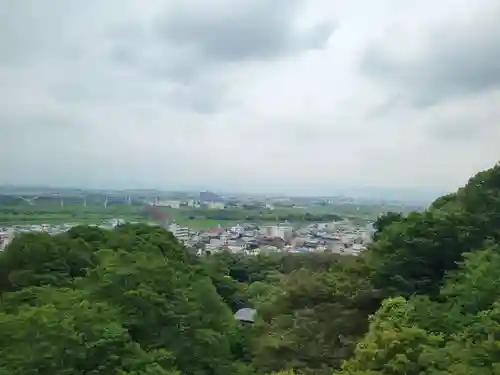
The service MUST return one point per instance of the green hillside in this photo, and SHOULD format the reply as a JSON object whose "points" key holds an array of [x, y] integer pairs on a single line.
{"points": [[424, 299]]}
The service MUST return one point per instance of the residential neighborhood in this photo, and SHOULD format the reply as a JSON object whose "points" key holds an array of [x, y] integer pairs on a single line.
{"points": [[342, 237]]}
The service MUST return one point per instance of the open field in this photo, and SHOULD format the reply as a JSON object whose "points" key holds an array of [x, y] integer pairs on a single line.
{"points": [[248, 215], [15, 211], [55, 214]]}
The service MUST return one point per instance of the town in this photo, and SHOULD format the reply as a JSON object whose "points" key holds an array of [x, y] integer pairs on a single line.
{"points": [[205, 222], [342, 237]]}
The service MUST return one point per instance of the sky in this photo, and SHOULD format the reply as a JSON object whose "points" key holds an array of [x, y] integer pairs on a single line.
{"points": [[282, 96]]}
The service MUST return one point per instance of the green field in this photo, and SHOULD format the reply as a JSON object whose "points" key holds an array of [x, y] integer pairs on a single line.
{"points": [[50, 212], [54, 214]]}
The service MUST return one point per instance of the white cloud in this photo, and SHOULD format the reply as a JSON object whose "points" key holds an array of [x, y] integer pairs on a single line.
{"points": [[320, 95]]}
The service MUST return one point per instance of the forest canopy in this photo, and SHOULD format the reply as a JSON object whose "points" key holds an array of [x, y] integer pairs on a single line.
{"points": [[423, 299]]}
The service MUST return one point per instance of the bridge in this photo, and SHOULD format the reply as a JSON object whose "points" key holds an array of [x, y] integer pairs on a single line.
{"points": [[84, 199]]}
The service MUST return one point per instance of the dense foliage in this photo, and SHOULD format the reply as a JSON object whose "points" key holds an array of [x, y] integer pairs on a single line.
{"points": [[424, 299]]}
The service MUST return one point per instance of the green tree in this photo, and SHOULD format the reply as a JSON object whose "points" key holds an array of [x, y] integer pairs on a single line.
{"points": [[385, 220], [166, 304], [67, 334], [40, 259], [459, 333], [312, 324], [393, 346], [413, 255]]}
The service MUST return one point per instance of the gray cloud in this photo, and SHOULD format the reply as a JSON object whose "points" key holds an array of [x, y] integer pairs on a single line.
{"points": [[385, 108], [249, 29], [190, 41], [42, 29], [246, 94], [456, 59], [476, 119], [200, 98]]}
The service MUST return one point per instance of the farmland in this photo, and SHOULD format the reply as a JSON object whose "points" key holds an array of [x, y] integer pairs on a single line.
{"points": [[94, 209]]}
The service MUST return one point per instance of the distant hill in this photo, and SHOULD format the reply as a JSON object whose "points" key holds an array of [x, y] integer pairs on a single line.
{"points": [[207, 196], [406, 195]]}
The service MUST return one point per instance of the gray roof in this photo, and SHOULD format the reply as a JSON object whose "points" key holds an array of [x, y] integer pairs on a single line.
{"points": [[246, 315]]}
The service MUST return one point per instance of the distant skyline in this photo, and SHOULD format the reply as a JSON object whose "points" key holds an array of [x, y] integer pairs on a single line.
{"points": [[296, 97], [396, 194]]}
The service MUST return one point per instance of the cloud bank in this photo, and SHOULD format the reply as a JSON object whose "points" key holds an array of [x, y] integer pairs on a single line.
{"points": [[295, 96]]}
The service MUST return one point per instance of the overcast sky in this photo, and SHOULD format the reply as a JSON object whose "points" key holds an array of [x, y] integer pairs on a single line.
{"points": [[249, 95]]}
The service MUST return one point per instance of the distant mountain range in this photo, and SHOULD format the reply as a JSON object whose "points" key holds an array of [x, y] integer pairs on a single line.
{"points": [[409, 195], [368, 194]]}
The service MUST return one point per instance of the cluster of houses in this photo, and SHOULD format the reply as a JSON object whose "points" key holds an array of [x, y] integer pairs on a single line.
{"points": [[340, 237], [8, 233]]}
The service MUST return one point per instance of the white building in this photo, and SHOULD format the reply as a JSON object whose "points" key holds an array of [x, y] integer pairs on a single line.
{"points": [[269, 230], [237, 229], [5, 238], [283, 231], [236, 248], [181, 233], [193, 203], [215, 244], [224, 237], [172, 204], [322, 226], [366, 237], [216, 205], [332, 227]]}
